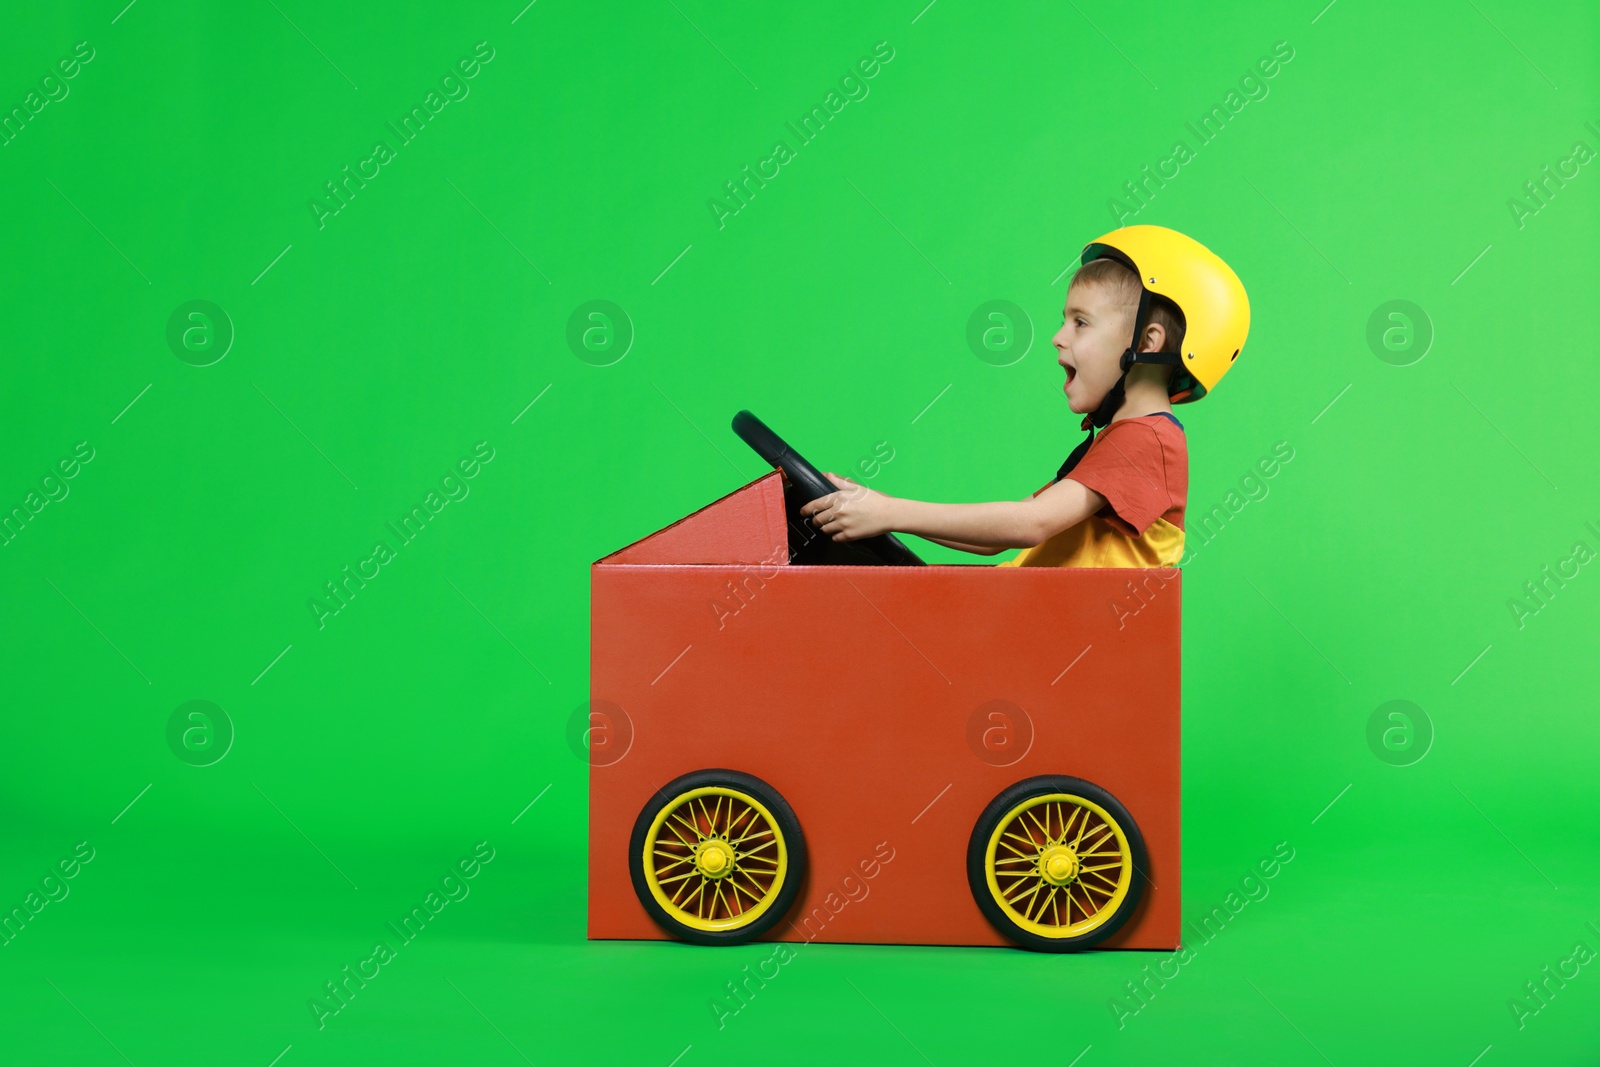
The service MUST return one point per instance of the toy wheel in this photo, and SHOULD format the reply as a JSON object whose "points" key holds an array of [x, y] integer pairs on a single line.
{"points": [[717, 857], [1056, 864]]}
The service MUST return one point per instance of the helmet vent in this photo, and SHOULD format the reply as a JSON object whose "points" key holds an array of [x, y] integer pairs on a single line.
{"points": [[1234, 356]]}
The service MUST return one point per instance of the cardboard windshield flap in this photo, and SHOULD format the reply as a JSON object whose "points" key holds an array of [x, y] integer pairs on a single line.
{"points": [[887, 705]]}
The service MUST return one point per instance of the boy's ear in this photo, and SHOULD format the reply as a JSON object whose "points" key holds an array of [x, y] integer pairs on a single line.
{"points": [[1155, 336]]}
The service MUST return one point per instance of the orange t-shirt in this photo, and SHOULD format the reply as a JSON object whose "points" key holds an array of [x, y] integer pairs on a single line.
{"points": [[1141, 467]]}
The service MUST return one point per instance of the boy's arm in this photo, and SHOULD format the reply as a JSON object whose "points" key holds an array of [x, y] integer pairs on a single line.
{"points": [[1001, 524], [979, 550]]}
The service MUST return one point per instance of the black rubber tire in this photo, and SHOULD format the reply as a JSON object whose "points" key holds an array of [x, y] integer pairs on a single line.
{"points": [[1009, 798], [788, 825], [807, 544]]}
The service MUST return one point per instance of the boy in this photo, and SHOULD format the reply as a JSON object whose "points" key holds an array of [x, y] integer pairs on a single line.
{"points": [[1186, 314]]}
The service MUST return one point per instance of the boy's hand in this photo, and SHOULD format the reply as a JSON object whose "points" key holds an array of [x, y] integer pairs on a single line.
{"points": [[852, 513]]}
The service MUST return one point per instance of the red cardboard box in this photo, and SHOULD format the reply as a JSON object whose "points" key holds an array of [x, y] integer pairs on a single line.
{"points": [[888, 705]]}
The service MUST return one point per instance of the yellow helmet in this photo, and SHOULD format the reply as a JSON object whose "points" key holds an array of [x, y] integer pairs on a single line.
{"points": [[1216, 312]]}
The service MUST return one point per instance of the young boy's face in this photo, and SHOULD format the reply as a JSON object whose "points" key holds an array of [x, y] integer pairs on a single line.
{"points": [[1089, 346]]}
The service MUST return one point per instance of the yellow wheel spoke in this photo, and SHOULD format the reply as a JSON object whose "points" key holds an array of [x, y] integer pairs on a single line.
{"points": [[1041, 903], [1066, 827], [755, 898], [1027, 842], [734, 825], [756, 853], [676, 878], [1019, 887], [1100, 837], [1109, 889], [684, 903], [1027, 896], [767, 862], [1061, 821], [1043, 829], [756, 887], [754, 832], [687, 825], [1082, 826], [1015, 859], [1092, 904], [1102, 866]]}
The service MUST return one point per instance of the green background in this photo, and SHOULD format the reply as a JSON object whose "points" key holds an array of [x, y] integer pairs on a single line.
{"points": [[374, 352]]}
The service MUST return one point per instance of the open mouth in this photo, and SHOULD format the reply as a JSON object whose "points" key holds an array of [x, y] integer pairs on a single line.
{"points": [[1072, 372]]}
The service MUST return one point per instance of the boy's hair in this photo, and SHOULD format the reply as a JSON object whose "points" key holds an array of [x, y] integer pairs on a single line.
{"points": [[1115, 278]]}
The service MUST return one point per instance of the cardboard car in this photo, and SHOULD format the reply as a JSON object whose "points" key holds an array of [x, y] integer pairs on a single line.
{"points": [[793, 738]]}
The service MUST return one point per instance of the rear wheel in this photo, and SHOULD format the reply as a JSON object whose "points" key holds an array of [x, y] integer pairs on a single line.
{"points": [[716, 857], [1056, 864]]}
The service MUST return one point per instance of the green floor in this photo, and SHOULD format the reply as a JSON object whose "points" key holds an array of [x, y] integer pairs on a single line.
{"points": [[1376, 943]]}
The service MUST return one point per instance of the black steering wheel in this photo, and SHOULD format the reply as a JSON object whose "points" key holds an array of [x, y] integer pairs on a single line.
{"points": [[807, 544]]}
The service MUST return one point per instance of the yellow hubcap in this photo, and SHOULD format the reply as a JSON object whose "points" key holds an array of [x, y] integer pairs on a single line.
{"points": [[1058, 865], [715, 859]]}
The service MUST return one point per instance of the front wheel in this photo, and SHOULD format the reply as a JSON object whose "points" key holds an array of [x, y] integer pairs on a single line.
{"points": [[1056, 864], [716, 857]]}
